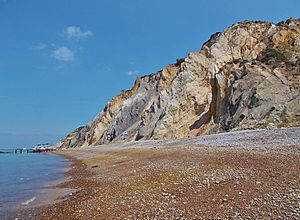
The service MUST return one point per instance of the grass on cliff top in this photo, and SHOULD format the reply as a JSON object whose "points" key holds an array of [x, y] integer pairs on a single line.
{"points": [[276, 58]]}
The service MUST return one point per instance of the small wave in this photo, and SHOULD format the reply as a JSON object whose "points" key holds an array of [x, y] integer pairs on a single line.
{"points": [[27, 202]]}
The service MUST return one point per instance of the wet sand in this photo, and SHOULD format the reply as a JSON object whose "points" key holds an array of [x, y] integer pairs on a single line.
{"points": [[253, 176]]}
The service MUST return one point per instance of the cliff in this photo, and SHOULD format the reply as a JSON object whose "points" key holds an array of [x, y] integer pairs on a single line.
{"points": [[246, 77]]}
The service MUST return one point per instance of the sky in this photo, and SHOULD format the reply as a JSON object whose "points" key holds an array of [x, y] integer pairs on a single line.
{"points": [[61, 61]]}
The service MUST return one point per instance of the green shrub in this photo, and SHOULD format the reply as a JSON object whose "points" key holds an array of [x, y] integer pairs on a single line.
{"points": [[272, 56]]}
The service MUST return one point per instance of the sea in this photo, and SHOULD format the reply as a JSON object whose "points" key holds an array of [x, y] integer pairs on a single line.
{"points": [[24, 179]]}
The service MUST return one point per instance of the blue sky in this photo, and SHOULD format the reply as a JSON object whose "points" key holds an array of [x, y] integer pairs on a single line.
{"points": [[61, 61]]}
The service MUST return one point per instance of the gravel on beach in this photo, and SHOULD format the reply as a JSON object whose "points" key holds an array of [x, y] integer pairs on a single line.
{"points": [[238, 175]]}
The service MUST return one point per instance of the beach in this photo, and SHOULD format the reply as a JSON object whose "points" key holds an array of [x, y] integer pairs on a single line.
{"points": [[239, 175]]}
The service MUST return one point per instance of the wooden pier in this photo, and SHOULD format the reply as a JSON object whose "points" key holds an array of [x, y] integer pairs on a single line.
{"points": [[33, 150], [39, 148], [21, 151]]}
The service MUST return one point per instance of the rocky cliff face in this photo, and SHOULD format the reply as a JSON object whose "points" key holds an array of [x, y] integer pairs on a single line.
{"points": [[246, 77]]}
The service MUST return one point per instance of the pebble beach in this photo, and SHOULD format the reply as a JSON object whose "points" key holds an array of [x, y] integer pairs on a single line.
{"points": [[238, 175]]}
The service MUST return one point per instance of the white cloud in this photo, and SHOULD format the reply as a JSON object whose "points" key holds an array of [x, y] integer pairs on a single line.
{"points": [[75, 32], [40, 46], [132, 72], [63, 54]]}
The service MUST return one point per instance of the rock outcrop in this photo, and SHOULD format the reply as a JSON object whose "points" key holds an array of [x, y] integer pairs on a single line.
{"points": [[246, 77]]}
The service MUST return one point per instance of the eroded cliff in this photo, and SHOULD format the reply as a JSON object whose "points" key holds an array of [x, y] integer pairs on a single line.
{"points": [[246, 77]]}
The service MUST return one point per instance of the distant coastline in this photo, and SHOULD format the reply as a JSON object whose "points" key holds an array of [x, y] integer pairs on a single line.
{"points": [[4, 152]]}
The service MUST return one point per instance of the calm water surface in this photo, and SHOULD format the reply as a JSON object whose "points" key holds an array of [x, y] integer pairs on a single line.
{"points": [[23, 176]]}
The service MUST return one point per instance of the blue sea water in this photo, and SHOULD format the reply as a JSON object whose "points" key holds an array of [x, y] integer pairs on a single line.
{"points": [[23, 176]]}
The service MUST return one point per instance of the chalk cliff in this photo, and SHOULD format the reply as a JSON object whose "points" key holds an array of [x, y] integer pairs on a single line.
{"points": [[246, 77]]}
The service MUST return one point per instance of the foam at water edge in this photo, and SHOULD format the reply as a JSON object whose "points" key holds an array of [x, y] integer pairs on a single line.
{"points": [[27, 202]]}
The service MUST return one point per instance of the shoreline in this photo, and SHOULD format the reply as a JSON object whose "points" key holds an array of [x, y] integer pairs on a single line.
{"points": [[50, 193], [184, 179]]}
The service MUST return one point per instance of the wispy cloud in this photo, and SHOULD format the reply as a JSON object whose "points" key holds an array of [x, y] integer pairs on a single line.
{"points": [[132, 72], [63, 53], [75, 32], [3, 96], [40, 46]]}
